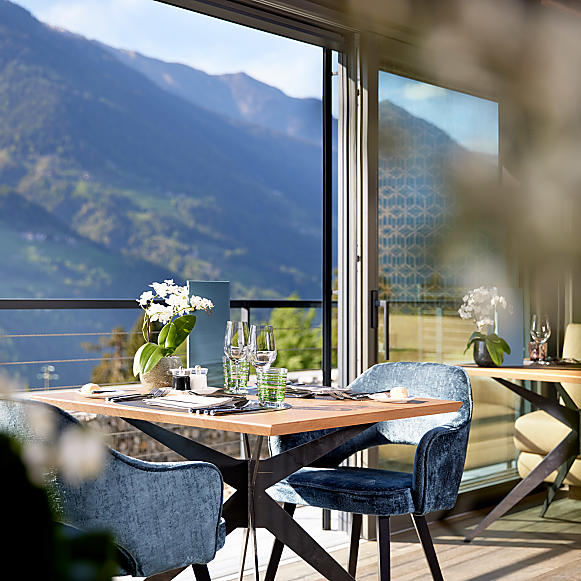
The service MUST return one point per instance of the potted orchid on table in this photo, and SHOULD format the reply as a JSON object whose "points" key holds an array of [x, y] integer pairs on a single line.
{"points": [[171, 305], [481, 305]]}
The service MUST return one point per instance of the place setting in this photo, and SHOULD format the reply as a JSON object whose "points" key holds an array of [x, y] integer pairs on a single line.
{"points": [[186, 389]]}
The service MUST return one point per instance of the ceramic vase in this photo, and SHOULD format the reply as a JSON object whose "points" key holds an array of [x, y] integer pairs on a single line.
{"points": [[481, 355], [160, 375]]}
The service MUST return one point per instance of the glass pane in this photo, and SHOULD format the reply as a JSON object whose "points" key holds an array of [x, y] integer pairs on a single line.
{"points": [[425, 134]]}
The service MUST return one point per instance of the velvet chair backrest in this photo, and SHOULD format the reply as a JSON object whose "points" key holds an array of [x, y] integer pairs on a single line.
{"points": [[434, 380], [159, 516]]}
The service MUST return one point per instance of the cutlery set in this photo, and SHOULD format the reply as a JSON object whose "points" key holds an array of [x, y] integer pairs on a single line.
{"points": [[235, 404]]}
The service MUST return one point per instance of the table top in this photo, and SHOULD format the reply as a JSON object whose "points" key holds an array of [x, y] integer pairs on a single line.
{"points": [[530, 372], [304, 415]]}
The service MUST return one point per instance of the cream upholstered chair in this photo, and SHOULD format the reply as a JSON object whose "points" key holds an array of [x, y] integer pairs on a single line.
{"points": [[537, 433]]}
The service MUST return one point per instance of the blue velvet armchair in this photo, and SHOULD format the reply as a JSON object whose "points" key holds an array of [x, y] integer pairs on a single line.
{"points": [[441, 442], [163, 516]]}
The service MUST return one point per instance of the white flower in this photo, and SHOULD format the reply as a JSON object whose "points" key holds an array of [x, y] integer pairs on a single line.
{"points": [[160, 313], [145, 298], [481, 304], [80, 455], [161, 288]]}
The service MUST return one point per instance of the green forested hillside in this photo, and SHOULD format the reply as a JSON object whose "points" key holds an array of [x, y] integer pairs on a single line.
{"points": [[43, 257]]}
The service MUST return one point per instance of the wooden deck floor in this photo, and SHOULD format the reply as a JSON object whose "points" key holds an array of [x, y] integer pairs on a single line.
{"points": [[519, 547]]}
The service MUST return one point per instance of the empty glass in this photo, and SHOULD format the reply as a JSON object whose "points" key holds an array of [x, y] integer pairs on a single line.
{"points": [[271, 385], [262, 350], [540, 333], [236, 340], [236, 350]]}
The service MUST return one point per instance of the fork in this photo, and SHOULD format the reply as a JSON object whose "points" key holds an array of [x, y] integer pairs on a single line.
{"points": [[157, 392], [343, 395]]}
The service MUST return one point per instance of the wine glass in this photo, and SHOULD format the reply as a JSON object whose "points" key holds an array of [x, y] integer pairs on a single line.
{"points": [[236, 341], [262, 346], [236, 350], [540, 333]]}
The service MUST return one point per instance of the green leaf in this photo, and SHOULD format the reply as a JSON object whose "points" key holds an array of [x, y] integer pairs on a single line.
{"points": [[476, 336], [496, 351], [141, 357], [505, 346], [177, 332], [161, 338], [154, 358]]}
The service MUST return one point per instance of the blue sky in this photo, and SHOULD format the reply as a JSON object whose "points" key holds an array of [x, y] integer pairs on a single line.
{"points": [[177, 35], [471, 121]]}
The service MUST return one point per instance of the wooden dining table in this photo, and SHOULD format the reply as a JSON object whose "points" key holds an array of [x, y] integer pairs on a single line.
{"points": [[250, 506], [561, 457]]}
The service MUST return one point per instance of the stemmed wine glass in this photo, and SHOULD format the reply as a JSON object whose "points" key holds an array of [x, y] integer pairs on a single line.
{"points": [[236, 348], [540, 333], [262, 349]]}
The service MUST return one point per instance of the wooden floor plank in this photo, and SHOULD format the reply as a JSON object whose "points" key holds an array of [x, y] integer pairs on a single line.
{"points": [[520, 546]]}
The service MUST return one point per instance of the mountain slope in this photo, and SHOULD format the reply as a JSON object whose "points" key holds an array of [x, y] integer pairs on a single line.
{"points": [[43, 257], [148, 174], [237, 96]]}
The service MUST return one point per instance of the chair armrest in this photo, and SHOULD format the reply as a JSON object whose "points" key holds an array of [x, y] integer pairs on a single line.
{"points": [[166, 515], [438, 467]]}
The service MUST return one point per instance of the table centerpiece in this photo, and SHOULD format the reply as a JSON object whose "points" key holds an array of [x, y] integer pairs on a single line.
{"points": [[170, 305]]}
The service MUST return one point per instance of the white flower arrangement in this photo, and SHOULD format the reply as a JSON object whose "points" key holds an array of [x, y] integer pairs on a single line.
{"points": [[481, 305], [176, 314]]}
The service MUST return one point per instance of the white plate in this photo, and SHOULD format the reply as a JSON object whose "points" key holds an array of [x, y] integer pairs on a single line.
{"points": [[205, 390], [384, 397], [105, 394]]}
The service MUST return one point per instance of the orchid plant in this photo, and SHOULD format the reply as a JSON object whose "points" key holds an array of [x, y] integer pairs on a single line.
{"points": [[481, 305], [175, 314]]}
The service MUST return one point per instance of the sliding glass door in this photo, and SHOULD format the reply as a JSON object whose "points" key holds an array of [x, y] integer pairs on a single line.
{"points": [[432, 144]]}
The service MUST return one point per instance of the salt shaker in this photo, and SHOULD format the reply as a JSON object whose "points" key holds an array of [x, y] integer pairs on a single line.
{"points": [[198, 377]]}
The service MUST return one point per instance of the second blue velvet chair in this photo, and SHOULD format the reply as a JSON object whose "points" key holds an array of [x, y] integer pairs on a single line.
{"points": [[441, 442]]}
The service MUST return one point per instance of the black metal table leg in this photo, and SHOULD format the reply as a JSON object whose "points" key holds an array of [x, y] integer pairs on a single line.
{"points": [[246, 449], [277, 548], [252, 476], [250, 506], [272, 517], [553, 460], [559, 457], [552, 491]]}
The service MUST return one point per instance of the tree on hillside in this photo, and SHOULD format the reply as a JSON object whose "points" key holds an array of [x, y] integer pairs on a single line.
{"points": [[298, 343]]}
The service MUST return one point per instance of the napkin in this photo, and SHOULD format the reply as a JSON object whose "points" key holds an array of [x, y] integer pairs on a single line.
{"points": [[187, 401]]}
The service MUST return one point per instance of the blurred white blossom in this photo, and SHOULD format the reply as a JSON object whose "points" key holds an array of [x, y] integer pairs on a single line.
{"points": [[480, 305], [81, 455]]}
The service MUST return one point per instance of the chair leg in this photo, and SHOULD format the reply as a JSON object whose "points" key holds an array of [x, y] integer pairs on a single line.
{"points": [[277, 548], [428, 546], [354, 544], [383, 534], [201, 572], [166, 575]]}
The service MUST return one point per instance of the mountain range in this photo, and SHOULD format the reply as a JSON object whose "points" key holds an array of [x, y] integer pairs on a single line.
{"points": [[134, 165]]}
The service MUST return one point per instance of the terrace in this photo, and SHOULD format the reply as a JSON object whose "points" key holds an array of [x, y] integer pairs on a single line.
{"points": [[443, 159]]}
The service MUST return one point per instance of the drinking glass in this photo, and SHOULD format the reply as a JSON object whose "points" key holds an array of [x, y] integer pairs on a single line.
{"points": [[236, 350], [271, 385], [540, 333], [262, 349], [236, 376]]}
